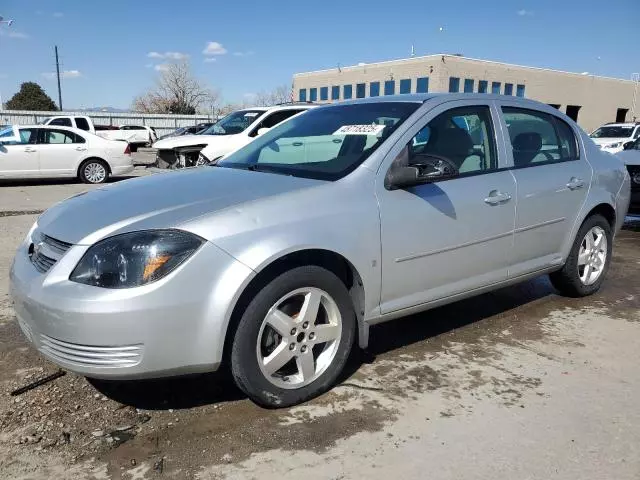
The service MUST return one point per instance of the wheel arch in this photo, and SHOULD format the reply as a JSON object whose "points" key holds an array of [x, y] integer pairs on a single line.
{"points": [[92, 157], [332, 261]]}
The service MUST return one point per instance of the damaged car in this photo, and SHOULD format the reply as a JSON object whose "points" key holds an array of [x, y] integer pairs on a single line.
{"points": [[232, 132]]}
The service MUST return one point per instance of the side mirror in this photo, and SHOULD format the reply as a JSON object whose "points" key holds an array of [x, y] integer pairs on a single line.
{"points": [[423, 169], [263, 130]]}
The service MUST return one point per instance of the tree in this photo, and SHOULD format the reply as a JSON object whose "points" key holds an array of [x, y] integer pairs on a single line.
{"points": [[281, 94], [31, 96], [177, 91]]}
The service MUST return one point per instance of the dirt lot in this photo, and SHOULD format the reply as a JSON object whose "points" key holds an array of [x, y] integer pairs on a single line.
{"points": [[516, 384]]}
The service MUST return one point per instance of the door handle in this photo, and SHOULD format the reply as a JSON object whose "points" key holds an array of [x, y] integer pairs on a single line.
{"points": [[575, 183], [496, 197], [81, 149], [297, 144], [30, 150]]}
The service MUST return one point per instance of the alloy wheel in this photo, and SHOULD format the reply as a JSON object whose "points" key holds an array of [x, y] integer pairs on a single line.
{"points": [[592, 256]]}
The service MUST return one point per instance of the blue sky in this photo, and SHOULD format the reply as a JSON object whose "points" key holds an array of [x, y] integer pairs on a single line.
{"points": [[106, 46]]}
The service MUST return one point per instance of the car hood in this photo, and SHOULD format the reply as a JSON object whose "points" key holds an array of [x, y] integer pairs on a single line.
{"points": [[608, 141], [189, 140], [163, 200]]}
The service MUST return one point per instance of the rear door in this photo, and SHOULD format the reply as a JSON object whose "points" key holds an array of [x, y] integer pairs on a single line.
{"points": [[60, 152], [552, 177], [20, 159]]}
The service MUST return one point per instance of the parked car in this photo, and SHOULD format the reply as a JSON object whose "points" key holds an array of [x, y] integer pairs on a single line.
{"points": [[38, 151], [192, 130], [228, 134], [279, 258], [136, 135], [631, 158], [612, 136]]}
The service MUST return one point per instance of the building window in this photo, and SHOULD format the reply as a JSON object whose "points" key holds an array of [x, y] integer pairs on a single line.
{"points": [[389, 87], [405, 85], [422, 85], [374, 89], [520, 91], [468, 85], [302, 95], [454, 84], [335, 92], [495, 88], [313, 94], [482, 86], [361, 90], [508, 88], [347, 92], [324, 93]]}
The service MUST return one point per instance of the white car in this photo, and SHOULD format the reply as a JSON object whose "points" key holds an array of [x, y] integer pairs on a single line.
{"points": [[613, 136], [227, 135], [39, 151], [137, 135]]}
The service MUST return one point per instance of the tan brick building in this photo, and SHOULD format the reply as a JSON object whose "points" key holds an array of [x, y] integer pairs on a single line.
{"points": [[589, 99]]}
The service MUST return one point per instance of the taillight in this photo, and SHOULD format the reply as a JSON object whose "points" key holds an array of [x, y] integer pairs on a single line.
{"points": [[127, 150]]}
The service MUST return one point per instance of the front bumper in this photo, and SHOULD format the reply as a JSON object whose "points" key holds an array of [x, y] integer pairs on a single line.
{"points": [[173, 326]]}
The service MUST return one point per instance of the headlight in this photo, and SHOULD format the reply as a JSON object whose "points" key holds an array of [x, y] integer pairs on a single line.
{"points": [[614, 145], [134, 259]]}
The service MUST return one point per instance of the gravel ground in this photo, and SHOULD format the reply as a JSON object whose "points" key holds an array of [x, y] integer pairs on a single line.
{"points": [[518, 383]]}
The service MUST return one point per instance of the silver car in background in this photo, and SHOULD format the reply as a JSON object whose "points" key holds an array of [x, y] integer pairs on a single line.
{"points": [[277, 260]]}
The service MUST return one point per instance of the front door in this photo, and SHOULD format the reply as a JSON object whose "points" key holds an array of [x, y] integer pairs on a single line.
{"points": [[60, 152], [452, 236], [20, 159], [553, 178]]}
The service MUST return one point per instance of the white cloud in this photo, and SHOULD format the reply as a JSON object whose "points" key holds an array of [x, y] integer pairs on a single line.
{"points": [[209, 59], [13, 34], [162, 67], [58, 15], [248, 53], [525, 13], [214, 48], [64, 74], [168, 55]]}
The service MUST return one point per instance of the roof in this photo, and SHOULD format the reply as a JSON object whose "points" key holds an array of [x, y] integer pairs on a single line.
{"points": [[423, 97], [286, 106], [448, 55]]}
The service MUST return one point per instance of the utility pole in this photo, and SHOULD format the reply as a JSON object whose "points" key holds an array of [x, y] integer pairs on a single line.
{"points": [[58, 73]]}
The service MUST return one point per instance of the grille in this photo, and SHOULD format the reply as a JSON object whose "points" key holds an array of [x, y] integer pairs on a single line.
{"points": [[45, 251], [42, 262], [634, 173], [90, 356]]}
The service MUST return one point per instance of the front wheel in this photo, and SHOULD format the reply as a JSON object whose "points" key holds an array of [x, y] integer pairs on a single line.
{"points": [[94, 171], [589, 259], [294, 337]]}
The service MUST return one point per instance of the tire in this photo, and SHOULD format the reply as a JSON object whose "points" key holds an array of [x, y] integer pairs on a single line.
{"points": [[90, 171], [570, 280], [255, 338]]}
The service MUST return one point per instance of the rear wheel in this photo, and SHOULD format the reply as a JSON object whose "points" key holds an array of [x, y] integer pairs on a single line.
{"points": [[588, 261], [93, 170], [294, 337]]}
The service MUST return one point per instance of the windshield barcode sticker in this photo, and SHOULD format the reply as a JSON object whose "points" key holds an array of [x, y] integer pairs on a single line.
{"points": [[372, 129]]}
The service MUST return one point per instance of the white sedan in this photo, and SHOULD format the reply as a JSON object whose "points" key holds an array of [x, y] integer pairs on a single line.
{"points": [[39, 151]]}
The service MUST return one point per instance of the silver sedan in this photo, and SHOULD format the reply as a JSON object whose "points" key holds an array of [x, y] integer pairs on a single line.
{"points": [[277, 260]]}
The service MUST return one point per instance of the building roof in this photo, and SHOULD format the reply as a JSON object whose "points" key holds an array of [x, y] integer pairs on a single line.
{"points": [[457, 57]]}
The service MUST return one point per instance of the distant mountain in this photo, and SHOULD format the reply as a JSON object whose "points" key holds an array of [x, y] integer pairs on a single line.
{"points": [[104, 109]]}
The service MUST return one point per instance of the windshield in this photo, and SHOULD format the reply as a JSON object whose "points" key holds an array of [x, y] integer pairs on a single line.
{"points": [[44, 121], [233, 123], [612, 132], [324, 143], [6, 132]]}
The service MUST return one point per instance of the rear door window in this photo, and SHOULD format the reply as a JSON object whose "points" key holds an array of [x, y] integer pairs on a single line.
{"points": [[57, 137], [537, 137], [82, 124]]}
